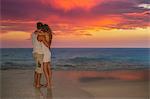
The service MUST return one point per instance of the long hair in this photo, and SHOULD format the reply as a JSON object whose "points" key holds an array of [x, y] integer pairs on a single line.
{"points": [[47, 29]]}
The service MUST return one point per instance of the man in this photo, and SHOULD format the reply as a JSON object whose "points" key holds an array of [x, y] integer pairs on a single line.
{"points": [[38, 55]]}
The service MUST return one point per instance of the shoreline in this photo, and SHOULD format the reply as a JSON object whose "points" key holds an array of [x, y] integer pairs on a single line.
{"points": [[32, 68]]}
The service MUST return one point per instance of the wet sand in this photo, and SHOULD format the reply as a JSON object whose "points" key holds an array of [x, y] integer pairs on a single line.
{"points": [[129, 84]]}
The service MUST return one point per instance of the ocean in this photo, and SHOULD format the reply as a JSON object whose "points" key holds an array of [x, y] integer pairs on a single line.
{"points": [[80, 58]]}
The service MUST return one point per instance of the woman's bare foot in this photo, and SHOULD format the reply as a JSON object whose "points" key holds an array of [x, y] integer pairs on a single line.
{"points": [[38, 86], [48, 85], [45, 85]]}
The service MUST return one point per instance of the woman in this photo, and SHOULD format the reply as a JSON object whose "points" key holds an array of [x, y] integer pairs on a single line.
{"points": [[46, 37]]}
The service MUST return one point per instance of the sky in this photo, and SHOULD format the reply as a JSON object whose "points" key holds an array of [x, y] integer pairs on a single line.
{"points": [[77, 23]]}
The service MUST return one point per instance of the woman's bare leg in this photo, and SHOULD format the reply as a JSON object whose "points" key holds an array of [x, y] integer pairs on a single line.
{"points": [[50, 72], [45, 69]]}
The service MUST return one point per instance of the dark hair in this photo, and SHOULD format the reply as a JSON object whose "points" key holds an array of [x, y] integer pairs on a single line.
{"points": [[39, 25], [45, 28]]}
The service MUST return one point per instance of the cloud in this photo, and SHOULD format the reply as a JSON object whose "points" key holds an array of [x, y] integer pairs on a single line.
{"points": [[24, 10], [143, 1], [72, 4], [146, 6], [17, 25], [72, 16]]}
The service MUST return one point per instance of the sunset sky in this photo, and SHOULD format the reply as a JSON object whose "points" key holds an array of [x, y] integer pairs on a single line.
{"points": [[77, 23]]}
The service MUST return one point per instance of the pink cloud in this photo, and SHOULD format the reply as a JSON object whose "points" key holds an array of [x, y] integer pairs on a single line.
{"points": [[72, 4]]}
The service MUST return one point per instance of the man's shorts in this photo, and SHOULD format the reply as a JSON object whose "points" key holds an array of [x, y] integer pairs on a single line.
{"points": [[39, 62]]}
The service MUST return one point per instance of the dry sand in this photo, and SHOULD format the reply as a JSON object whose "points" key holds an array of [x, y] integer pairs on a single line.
{"points": [[18, 84]]}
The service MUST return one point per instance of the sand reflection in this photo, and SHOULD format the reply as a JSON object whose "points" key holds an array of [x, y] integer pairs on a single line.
{"points": [[43, 93]]}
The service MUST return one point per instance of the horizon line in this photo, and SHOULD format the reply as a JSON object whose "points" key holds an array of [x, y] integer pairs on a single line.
{"points": [[77, 47]]}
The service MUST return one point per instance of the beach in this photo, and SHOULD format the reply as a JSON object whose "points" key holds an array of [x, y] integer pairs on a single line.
{"points": [[71, 84]]}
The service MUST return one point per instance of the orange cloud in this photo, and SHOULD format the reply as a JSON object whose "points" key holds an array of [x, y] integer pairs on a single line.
{"points": [[15, 36], [71, 4], [106, 21], [139, 14]]}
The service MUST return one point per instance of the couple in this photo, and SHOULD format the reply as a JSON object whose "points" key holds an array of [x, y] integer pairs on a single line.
{"points": [[41, 40]]}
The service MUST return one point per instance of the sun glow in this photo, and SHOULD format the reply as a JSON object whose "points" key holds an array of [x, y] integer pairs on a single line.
{"points": [[15, 35], [72, 4]]}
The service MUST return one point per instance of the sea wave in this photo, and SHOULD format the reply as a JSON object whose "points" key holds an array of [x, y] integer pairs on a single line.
{"points": [[80, 59]]}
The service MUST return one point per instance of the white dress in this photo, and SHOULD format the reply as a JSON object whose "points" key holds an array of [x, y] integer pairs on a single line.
{"points": [[47, 53]]}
